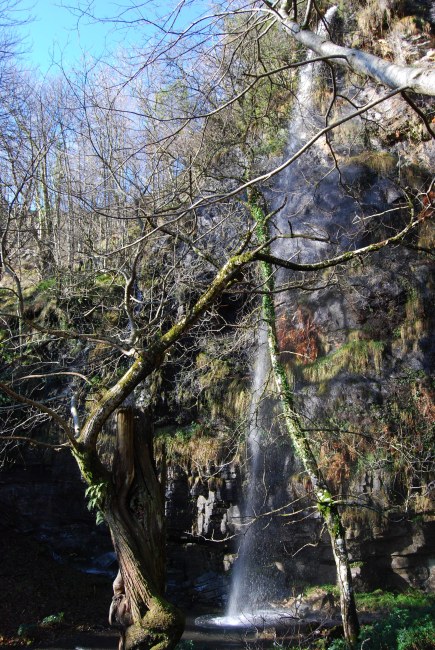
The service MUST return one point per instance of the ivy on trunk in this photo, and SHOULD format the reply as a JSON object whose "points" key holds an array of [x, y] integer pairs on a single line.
{"points": [[325, 502]]}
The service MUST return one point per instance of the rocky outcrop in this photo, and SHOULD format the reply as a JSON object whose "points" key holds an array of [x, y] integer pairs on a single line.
{"points": [[360, 350], [387, 552]]}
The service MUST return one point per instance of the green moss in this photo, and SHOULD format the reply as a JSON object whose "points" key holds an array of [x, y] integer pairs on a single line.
{"points": [[381, 162], [355, 357], [223, 391], [160, 629], [106, 278], [413, 325], [385, 600], [365, 517], [44, 285], [327, 507], [322, 589], [273, 143], [193, 444], [228, 400], [53, 619], [214, 370], [91, 469]]}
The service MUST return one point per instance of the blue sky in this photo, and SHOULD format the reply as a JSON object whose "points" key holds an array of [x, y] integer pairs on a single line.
{"points": [[55, 34], [51, 33]]}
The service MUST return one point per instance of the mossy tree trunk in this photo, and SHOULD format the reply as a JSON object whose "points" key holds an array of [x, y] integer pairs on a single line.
{"points": [[130, 495], [134, 511], [324, 499]]}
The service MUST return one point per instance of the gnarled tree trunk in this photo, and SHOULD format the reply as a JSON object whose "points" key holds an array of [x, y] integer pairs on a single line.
{"points": [[134, 512]]}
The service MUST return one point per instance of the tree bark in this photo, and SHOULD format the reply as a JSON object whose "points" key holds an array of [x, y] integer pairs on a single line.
{"points": [[134, 512], [418, 79], [325, 502]]}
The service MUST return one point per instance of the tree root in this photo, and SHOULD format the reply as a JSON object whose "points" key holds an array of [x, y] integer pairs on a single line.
{"points": [[160, 629]]}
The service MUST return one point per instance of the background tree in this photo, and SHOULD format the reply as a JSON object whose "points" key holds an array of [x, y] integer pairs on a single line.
{"points": [[131, 196]]}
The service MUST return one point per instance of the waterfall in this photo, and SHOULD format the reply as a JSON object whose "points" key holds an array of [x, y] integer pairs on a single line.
{"points": [[305, 116], [246, 592], [252, 588]]}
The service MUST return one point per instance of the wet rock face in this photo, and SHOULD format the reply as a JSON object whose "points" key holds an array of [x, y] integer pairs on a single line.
{"points": [[33, 502], [395, 556], [361, 348], [197, 513], [202, 507], [385, 553], [401, 552]]}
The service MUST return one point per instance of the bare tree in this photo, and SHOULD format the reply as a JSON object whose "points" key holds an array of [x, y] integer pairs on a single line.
{"points": [[148, 190]]}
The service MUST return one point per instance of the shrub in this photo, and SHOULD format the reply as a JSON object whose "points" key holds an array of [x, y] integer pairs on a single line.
{"points": [[401, 629]]}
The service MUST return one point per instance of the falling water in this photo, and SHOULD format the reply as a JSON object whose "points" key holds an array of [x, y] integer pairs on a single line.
{"points": [[247, 593], [253, 588], [255, 583], [293, 183], [305, 115]]}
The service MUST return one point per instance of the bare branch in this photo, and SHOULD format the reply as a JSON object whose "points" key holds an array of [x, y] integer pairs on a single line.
{"points": [[37, 443], [42, 408], [418, 79]]}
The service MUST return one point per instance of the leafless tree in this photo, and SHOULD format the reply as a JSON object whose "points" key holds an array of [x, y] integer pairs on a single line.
{"points": [[135, 192]]}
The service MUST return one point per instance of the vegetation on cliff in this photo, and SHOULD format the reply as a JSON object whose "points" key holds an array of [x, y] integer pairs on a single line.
{"points": [[128, 250]]}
